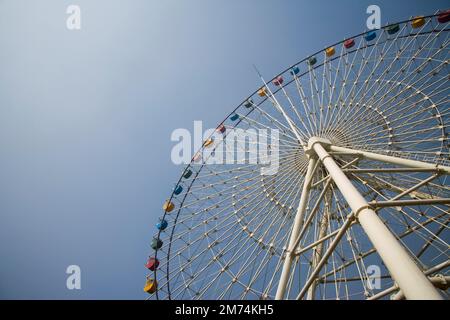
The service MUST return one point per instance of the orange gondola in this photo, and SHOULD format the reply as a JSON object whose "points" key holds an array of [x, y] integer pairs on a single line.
{"points": [[262, 92], [208, 142]]}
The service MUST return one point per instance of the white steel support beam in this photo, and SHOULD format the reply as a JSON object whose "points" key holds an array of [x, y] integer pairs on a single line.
{"points": [[390, 159], [317, 252], [314, 274], [440, 281], [311, 216], [371, 251], [298, 223], [408, 203], [410, 279], [395, 287]]}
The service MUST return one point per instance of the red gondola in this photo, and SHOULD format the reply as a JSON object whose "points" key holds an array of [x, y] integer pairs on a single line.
{"points": [[152, 264], [349, 43], [444, 17], [221, 128], [278, 81]]}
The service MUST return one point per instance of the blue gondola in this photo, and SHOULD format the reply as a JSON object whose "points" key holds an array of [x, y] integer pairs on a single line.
{"points": [[234, 117], [162, 225], [295, 70], [370, 35], [178, 189]]}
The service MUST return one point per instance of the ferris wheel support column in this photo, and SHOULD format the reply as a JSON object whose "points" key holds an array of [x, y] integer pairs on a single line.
{"points": [[317, 251], [298, 222], [410, 279]]}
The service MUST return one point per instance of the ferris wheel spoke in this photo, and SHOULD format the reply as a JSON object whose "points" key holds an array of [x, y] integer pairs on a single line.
{"points": [[405, 87], [307, 109], [221, 253], [294, 109], [429, 242], [376, 94], [366, 61], [340, 93], [267, 253], [401, 240], [288, 139], [233, 262], [393, 107], [364, 58], [387, 71]]}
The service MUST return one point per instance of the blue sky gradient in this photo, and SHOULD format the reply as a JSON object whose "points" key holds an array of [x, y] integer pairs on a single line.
{"points": [[86, 118]]}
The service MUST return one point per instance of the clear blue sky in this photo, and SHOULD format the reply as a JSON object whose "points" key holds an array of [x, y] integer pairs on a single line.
{"points": [[86, 118]]}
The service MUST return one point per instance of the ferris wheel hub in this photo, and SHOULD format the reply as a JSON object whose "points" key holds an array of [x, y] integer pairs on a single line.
{"points": [[323, 141], [326, 143]]}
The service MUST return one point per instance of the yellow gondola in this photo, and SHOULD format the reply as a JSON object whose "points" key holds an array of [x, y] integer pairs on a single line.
{"points": [[168, 206], [150, 286], [208, 142], [418, 22], [330, 51]]}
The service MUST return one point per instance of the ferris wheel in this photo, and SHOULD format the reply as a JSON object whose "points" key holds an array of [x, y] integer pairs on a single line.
{"points": [[360, 203]]}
